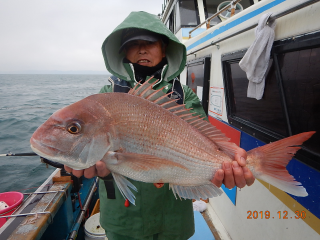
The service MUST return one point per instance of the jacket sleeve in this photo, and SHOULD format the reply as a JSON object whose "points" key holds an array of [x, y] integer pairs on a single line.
{"points": [[192, 101], [106, 89]]}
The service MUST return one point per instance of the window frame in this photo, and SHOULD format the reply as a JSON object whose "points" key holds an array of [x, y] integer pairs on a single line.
{"points": [[297, 43], [248, 3], [197, 16], [206, 61]]}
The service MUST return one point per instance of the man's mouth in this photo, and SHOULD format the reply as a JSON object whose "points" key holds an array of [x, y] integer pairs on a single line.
{"points": [[143, 61]]}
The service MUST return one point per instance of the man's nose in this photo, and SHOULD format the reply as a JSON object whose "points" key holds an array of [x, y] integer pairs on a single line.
{"points": [[142, 48]]}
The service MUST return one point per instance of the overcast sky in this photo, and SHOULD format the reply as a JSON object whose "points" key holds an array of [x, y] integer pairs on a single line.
{"points": [[60, 35]]}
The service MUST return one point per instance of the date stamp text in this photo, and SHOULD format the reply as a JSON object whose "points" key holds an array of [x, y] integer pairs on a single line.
{"points": [[277, 215]]}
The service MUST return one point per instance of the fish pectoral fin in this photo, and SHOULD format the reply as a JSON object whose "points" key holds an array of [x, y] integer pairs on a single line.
{"points": [[196, 192], [140, 162], [123, 184]]}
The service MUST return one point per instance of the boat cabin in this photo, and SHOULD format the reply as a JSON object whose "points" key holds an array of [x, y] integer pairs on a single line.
{"points": [[181, 17]]}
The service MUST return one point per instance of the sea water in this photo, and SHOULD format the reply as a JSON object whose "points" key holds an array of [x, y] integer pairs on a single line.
{"points": [[26, 101]]}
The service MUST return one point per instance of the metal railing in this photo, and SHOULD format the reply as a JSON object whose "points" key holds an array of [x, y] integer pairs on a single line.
{"points": [[232, 4], [272, 17], [40, 212]]}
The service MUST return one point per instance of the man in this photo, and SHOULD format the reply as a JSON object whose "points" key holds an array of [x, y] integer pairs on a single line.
{"points": [[140, 47]]}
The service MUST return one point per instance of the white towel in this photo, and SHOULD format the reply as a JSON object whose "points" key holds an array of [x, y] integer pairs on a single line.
{"points": [[3, 205], [199, 206], [255, 61]]}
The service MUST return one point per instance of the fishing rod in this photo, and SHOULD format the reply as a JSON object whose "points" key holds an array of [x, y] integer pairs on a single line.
{"points": [[18, 154], [46, 161], [63, 172]]}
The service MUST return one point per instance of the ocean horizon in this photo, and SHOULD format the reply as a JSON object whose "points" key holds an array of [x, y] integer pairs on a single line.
{"points": [[26, 101]]}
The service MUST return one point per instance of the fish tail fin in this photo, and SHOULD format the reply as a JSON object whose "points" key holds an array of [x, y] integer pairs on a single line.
{"points": [[269, 163]]}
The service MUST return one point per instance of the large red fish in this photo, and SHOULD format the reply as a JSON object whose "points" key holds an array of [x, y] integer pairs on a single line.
{"points": [[146, 136]]}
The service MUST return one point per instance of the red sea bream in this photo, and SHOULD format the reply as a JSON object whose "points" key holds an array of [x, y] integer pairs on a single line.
{"points": [[146, 136]]}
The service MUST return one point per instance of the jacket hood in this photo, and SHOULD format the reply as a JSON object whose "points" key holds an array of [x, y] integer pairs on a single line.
{"points": [[175, 51]]}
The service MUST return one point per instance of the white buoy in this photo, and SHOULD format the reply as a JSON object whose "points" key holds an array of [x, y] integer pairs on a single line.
{"points": [[93, 229]]}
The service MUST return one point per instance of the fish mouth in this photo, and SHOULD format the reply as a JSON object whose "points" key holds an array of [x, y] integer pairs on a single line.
{"points": [[75, 166], [54, 154], [39, 148], [45, 151], [42, 154], [37, 145]]}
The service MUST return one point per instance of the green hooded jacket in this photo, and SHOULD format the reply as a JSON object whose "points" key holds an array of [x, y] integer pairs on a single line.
{"points": [[157, 212], [175, 52]]}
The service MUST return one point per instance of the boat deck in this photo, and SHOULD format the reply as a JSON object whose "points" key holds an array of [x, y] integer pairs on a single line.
{"points": [[42, 211]]}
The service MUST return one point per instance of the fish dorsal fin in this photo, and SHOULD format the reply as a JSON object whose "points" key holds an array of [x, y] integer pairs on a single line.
{"points": [[207, 129]]}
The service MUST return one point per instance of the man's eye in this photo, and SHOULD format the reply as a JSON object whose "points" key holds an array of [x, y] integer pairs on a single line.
{"points": [[132, 43]]}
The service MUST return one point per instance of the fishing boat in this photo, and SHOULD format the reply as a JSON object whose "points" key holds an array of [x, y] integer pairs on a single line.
{"points": [[56, 210], [218, 35]]}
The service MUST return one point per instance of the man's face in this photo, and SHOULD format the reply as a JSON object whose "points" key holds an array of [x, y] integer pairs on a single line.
{"points": [[145, 53]]}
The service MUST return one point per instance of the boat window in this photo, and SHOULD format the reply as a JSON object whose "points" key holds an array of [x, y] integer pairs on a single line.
{"points": [[300, 72], [189, 14], [266, 112], [177, 18], [211, 7], [291, 100], [170, 22], [198, 73]]}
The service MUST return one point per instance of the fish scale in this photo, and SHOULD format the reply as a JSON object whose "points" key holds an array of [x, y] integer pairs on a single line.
{"points": [[168, 151], [155, 135], [146, 136]]}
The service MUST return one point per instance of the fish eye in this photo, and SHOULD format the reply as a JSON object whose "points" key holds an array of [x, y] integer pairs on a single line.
{"points": [[74, 128]]}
